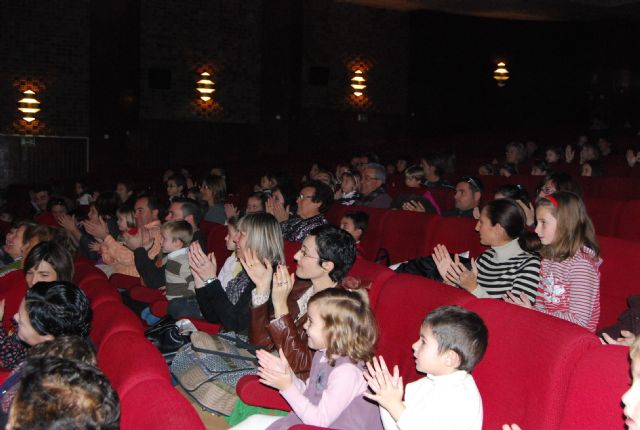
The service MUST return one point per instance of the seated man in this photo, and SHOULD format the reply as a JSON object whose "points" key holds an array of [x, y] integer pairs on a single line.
{"points": [[184, 209], [313, 202], [12, 251], [372, 188], [121, 257], [468, 195]]}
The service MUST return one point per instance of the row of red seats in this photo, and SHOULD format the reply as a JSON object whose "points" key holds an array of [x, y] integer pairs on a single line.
{"points": [[571, 381], [134, 366], [407, 235]]}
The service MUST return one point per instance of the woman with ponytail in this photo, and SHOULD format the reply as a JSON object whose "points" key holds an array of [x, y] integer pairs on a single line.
{"points": [[510, 265]]}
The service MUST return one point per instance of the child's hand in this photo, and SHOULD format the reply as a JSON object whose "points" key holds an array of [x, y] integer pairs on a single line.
{"points": [[522, 300], [626, 338], [95, 246], [274, 371], [387, 389], [413, 206]]}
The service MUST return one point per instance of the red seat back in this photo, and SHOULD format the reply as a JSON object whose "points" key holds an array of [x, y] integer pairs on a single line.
{"points": [[604, 214], [627, 225], [370, 271], [216, 243], [458, 234], [405, 234]]}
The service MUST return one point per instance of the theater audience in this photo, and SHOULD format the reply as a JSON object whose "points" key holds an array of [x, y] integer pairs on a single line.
{"points": [[176, 186], [372, 190], [559, 181], [184, 209]]}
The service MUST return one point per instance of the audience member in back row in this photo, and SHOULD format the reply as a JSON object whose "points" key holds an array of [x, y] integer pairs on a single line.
{"points": [[120, 258], [372, 190], [314, 201], [184, 209], [434, 167], [279, 302], [214, 191], [559, 181], [12, 249], [467, 197]]}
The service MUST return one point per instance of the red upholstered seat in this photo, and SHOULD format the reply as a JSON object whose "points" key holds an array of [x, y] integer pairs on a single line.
{"points": [[128, 359], [110, 318], [405, 234], [370, 271], [618, 279], [528, 364], [402, 305], [599, 379], [627, 225], [160, 307], [290, 250], [146, 294], [126, 282], [371, 241], [217, 244], [604, 214], [335, 213], [206, 227], [155, 404], [99, 291], [458, 234]]}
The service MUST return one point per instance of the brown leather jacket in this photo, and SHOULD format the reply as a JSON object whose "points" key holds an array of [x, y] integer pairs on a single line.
{"points": [[284, 332]]}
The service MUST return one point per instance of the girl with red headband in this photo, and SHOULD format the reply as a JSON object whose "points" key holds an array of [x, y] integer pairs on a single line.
{"points": [[569, 271]]}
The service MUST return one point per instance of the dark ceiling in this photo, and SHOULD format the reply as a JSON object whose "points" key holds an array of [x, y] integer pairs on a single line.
{"points": [[533, 10]]}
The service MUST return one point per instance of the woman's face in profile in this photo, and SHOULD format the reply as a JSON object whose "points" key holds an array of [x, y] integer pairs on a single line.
{"points": [[26, 332]]}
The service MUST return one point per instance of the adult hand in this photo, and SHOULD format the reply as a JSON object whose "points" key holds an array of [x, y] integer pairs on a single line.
{"points": [[142, 239], [202, 266], [511, 427], [95, 246], [230, 210], [282, 286], [626, 338], [529, 211], [387, 388], [274, 371], [413, 206], [338, 194], [443, 261], [97, 229], [569, 154], [68, 222], [521, 300], [277, 209], [460, 275], [260, 272]]}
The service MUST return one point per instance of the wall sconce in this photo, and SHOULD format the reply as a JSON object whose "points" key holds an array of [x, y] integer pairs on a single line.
{"points": [[501, 74], [28, 105], [205, 86], [358, 83]]}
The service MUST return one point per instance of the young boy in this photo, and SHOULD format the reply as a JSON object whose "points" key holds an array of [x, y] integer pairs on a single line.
{"points": [[179, 284], [452, 341], [355, 223]]}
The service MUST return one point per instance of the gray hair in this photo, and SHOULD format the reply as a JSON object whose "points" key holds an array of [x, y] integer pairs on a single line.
{"points": [[379, 171]]}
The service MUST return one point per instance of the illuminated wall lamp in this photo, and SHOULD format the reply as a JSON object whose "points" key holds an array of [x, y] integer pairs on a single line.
{"points": [[358, 83], [28, 105], [205, 86], [501, 74]]}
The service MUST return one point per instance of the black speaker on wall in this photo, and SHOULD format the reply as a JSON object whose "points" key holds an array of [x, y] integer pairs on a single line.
{"points": [[318, 75], [159, 79]]}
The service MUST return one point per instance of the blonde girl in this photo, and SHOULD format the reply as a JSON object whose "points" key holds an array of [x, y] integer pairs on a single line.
{"points": [[570, 268], [342, 330]]}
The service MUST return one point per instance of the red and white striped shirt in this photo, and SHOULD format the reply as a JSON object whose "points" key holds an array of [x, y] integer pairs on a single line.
{"points": [[570, 289]]}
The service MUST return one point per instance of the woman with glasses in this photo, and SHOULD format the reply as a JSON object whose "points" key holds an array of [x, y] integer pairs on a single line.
{"points": [[214, 191], [258, 248], [279, 304], [313, 202]]}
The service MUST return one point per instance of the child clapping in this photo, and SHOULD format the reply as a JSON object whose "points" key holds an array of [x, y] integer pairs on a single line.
{"points": [[452, 341]]}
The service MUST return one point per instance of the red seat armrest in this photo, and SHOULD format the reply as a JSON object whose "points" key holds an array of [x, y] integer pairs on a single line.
{"points": [[252, 392]]}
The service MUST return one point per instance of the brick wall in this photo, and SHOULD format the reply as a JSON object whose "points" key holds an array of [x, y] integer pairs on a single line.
{"points": [[44, 45]]}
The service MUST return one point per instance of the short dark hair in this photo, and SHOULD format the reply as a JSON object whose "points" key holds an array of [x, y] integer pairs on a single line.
{"points": [[58, 308], [57, 393], [57, 201], [53, 253], [68, 347], [179, 179], [461, 331], [107, 204], [540, 164], [514, 192], [190, 207], [323, 194], [41, 187], [360, 220], [474, 182], [153, 202], [437, 160], [564, 182], [337, 246]]}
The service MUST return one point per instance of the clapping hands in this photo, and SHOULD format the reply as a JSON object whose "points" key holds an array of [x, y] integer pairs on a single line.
{"points": [[387, 388], [274, 371]]}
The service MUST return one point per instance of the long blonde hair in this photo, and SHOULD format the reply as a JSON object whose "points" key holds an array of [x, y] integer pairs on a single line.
{"points": [[349, 324], [264, 236], [574, 229]]}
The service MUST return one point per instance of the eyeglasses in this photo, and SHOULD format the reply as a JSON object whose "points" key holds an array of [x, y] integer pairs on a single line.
{"points": [[305, 255], [371, 178], [302, 197]]}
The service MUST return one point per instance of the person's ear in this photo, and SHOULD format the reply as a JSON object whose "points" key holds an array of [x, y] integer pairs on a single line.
{"points": [[452, 359], [358, 233], [189, 219], [327, 266], [155, 213], [477, 196]]}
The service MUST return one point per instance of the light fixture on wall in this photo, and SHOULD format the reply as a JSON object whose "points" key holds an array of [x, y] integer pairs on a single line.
{"points": [[205, 86], [358, 83], [29, 105], [501, 74]]}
